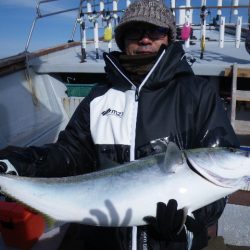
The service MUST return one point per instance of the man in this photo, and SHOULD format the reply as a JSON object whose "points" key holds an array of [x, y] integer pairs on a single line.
{"points": [[152, 98]]}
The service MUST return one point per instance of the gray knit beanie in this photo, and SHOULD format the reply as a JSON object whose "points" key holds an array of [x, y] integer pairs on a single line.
{"points": [[149, 11]]}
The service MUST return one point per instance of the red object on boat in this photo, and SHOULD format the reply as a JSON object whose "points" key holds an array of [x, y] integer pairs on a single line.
{"points": [[20, 228], [185, 32]]}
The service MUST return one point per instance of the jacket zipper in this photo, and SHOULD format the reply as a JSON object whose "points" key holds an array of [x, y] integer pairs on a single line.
{"points": [[132, 147], [136, 94], [135, 112], [117, 68]]}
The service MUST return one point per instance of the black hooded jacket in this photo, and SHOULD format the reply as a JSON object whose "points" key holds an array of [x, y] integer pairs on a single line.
{"points": [[120, 122]]}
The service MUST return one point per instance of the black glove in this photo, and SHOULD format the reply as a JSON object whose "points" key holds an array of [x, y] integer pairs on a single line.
{"points": [[12, 160], [21, 159], [7, 168], [50, 160], [169, 222]]}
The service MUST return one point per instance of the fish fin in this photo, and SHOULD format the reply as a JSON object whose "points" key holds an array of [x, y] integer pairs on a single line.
{"points": [[173, 157], [50, 222]]}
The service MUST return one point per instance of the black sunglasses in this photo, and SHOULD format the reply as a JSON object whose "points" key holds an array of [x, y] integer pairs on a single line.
{"points": [[153, 33]]}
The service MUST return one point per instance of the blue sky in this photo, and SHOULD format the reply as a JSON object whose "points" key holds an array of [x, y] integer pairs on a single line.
{"points": [[16, 17]]}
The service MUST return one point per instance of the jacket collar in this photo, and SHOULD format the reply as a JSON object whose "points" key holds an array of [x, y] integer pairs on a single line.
{"points": [[169, 63]]}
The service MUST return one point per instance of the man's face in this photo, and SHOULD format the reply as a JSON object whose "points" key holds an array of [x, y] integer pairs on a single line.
{"points": [[143, 38]]}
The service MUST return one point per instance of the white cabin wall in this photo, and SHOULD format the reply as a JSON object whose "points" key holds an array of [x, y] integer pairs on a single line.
{"points": [[22, 122]]}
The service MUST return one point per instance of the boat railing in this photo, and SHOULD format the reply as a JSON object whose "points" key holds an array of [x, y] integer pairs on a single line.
{"points": [[82, 10], [103, 15], [90, 14], [40, 15]]}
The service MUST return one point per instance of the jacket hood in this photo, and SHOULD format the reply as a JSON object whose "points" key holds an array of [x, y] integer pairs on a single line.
{"points": [[170, 62]]}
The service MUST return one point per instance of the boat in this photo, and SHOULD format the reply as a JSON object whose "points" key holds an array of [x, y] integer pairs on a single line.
{"points": [[40, 90]]}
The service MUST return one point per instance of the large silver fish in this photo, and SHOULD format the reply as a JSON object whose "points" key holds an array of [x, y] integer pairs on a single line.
{"points": [[124, 195]]}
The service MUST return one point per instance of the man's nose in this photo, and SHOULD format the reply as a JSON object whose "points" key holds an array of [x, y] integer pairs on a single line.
{"points": [[145, 39]]}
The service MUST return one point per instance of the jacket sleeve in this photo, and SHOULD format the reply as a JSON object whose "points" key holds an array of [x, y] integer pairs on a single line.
{"points": [[72, 154], [213, 130]]}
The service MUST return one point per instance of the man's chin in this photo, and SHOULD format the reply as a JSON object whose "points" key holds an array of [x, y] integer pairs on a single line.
{"points": [[144, 52]]}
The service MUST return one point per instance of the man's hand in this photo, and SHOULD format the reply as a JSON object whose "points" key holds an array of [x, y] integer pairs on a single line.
{"points": [[7, 168], [169, 222]]}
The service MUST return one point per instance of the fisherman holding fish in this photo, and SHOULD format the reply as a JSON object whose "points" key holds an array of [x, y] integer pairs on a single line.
{"points": [[153, 98]]}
